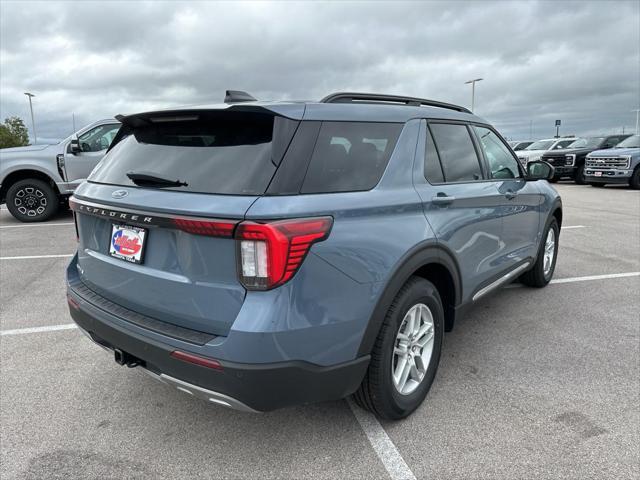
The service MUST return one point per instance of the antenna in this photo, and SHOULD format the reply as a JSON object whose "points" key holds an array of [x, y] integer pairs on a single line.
{"points": [[237, 96], [73, 118]]}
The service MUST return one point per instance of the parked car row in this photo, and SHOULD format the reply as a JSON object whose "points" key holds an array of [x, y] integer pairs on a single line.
{"points": [[590, 160], [254, 239]]}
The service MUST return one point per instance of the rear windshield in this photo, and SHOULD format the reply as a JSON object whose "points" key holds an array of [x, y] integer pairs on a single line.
{"points": [[223, 152], [350, 156]]}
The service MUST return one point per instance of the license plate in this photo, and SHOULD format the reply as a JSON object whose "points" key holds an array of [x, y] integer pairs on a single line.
{"points": [[127, 243], [597, 174]]}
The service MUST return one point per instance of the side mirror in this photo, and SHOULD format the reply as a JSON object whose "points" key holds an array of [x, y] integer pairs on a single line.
{"points": [[540, 171], [74, 146]]}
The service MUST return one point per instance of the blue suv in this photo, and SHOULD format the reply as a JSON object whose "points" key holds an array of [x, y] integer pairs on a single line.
{"points": [[265, 254]]}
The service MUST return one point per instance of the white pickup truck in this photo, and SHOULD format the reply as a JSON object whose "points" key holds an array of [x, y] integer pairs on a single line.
{"points": [[36, 179]]}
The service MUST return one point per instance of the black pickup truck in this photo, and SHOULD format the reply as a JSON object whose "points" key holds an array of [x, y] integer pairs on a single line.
{"points": [[569, 163]]}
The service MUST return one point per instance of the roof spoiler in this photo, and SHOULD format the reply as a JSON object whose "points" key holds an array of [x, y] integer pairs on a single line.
{"points": [[237, 96]]}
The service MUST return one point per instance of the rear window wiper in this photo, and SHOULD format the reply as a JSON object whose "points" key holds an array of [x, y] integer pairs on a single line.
{"points": [[145, 179]]}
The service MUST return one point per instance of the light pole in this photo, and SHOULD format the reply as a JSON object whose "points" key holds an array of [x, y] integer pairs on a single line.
{"points": [[33, 122], [473, 91], [637, 117]]}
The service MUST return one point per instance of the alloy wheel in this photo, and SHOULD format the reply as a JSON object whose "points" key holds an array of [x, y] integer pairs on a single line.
{"points": [[412, 349], [549, 252], [30, 201]]}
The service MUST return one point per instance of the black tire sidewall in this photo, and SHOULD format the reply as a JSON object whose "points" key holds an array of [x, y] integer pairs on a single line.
{"points": [[635, 179], [49, 193], [424, 292]]}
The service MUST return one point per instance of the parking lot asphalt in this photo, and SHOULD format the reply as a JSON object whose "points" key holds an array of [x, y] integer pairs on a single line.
{"points": [[532, 383]]}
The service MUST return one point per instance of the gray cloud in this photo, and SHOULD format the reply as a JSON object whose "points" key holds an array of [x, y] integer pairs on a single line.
{"points": [[577, 61]]}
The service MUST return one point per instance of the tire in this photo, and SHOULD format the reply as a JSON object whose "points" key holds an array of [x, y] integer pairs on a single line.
{"points": [[32, 200], [635, 179], [579, 175], [537, 276], [597, 185], [378, 392], [554, 180]]}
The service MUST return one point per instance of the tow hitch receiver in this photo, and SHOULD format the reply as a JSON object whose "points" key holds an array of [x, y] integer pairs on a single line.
{"points": [[124, 358]]}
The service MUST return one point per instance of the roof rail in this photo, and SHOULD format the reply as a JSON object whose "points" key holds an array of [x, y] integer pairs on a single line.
{"points": [[352, 97]]}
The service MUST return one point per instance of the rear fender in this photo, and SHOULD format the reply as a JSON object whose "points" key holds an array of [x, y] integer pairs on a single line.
{"points": [[423, 254]]}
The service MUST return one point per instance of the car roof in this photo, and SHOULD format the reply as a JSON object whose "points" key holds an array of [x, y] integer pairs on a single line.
{"points": [[374, 111]]}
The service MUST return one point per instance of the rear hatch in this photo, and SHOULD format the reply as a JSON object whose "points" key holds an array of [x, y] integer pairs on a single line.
{"points": [[156, 218]]}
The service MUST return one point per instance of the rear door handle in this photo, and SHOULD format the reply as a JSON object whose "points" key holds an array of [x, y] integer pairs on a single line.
{"points": [[442, 199]]}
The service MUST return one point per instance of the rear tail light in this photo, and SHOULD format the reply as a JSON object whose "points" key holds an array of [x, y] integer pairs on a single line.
{"points": [[212, 228], [269, 254]]}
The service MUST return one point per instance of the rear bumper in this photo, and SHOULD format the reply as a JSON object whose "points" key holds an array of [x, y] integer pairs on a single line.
{"points": [[249, 387]]}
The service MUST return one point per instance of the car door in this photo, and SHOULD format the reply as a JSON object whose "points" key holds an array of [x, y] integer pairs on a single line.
{"points": [[520, 200], [462, 207], [94, 143]]}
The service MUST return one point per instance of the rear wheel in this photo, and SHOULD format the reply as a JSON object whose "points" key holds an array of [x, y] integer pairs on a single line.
{"points": [[32, 200], [406, 354], [542, 272], [635, 179]]}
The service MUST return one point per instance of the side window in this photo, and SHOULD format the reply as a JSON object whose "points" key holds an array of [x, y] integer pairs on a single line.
{"points": [[350, 156], [98, 138], [457, 153], [432, 167], [501, 162]]}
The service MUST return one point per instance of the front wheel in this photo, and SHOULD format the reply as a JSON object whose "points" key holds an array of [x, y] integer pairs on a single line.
{"points": [[635, 179], [406, 354], [32, 200], [542, 272]]}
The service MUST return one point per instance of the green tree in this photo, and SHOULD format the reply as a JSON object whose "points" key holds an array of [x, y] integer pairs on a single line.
{"points": [[13, 133]]}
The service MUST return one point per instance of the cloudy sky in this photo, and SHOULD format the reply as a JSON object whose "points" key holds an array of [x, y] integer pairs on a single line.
{"points": [[575, 61]]}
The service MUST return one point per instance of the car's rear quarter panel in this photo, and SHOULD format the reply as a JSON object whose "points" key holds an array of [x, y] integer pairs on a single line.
{"points": [[323, 312]]}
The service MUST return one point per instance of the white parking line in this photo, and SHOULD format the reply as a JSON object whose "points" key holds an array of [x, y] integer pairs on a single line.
{"points": [[37, 225], [31, 257], [50, 328], [595, 277], [586, 278], [569, 227], [382, 444]]}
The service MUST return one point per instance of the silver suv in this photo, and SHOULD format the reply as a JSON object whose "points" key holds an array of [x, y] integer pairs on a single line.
{"points": [[36, 179]]}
